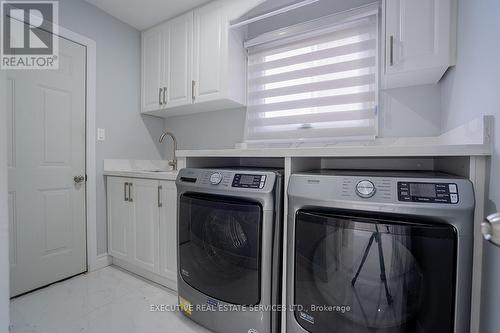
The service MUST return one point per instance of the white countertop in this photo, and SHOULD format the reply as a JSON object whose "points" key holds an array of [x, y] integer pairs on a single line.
{"points": [[346, 151], [147, 169], [471, 139], [166, 175]]}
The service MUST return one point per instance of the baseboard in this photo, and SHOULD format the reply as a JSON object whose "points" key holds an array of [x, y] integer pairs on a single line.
{"points": [[146, 274], [101, 261]]}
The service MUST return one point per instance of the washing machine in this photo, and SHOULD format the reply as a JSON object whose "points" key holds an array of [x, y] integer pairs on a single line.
{"points": [[379, 252], [229, 248]]}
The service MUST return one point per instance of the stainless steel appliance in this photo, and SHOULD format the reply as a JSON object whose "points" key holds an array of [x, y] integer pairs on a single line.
{"points": [[229, 248], [379, 252]]}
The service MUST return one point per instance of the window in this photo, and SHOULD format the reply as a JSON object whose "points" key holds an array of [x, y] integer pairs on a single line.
{"points": [[316, 86]]}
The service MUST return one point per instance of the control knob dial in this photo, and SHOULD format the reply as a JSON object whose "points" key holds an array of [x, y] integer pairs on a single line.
{"points": [[215, 178], [365, 189]]}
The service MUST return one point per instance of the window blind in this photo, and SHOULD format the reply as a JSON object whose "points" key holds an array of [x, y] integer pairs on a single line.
{"points": [[316, 88]]}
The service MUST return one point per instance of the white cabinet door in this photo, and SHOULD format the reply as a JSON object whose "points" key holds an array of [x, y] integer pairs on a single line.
{"points": [[118, 217], [168, 230], [144, 223], [209, 51], [152, 69], [179, 54], [418, 40]]}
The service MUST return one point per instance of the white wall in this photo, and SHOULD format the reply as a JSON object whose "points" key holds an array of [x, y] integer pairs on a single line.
{"points": [[4, 225], [414, 111], [402, 112], [220, 129], [470, 90], [128, 134]]}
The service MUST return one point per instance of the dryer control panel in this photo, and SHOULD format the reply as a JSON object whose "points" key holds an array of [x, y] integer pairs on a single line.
{"points": [[236, 180], [428, 192], [249, 180]]}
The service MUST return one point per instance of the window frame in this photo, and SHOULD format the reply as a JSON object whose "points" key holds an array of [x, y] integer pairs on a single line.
{"points": [[315, 29]]}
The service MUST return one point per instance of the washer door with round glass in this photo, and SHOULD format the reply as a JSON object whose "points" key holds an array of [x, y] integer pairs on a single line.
{"points": [[219, 247], [356, 273]]}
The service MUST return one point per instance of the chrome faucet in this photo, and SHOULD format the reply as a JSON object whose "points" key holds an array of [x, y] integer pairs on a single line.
{"points": [[172, 163]]}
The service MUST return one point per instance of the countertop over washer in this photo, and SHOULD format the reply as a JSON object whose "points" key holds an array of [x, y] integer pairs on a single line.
{"points": [[471, 139]]}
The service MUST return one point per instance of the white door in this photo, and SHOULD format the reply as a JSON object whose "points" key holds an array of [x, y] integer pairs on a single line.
{"points": [[118, 217], [417, 34], [46, 142], [179, 74], [210, 45], [144, 223], [168, 230], [152, 68]]}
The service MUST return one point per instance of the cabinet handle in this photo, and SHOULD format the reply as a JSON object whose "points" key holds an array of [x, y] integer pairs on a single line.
{"points": [[391, 51], [159, 96], [130, 192], [164, 93], [193, 85], [160, 204], [125, 191]]}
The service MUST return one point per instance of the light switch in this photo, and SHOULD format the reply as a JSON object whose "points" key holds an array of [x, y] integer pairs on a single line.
{"points": [[101, 134]]}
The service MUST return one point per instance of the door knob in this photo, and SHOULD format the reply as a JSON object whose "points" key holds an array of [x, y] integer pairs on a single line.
{"points": [[79, 179], [490, 229]]}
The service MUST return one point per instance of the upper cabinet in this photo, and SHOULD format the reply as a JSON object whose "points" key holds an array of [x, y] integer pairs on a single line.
{"points": [[152, 59], [179, 56], [193, 63], [210, 51], [420, 41], [166, 65]]}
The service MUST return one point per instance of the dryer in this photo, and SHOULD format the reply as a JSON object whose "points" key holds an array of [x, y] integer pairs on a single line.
{"points": [[379, 252], [229, 248]]}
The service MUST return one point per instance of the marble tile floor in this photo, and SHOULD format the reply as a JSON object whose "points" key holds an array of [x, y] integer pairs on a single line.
{"points": [[109, 300]]}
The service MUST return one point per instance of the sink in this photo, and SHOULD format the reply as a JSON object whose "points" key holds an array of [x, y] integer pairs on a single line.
{"points": [[152, 169]]}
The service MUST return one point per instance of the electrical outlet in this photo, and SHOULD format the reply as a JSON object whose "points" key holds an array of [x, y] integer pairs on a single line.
{"points": [[101, 134]]}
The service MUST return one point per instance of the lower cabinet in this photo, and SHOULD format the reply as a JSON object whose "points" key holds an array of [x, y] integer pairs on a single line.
{"points": [[118, 218], [168, 230], [142, 221], [144, 224]]}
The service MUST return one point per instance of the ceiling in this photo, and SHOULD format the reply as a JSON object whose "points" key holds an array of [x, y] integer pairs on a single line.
{"points": [[142, 14]]}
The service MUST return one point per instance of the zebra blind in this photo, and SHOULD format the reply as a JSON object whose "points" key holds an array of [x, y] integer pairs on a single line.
{"points": [[316, 88]]}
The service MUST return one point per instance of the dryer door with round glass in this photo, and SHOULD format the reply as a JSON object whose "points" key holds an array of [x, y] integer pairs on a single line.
{"points": [[219, 247], [384, 274]]}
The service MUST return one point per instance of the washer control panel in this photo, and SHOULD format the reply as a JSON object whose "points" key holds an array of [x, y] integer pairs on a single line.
{"points": [[428, 192], [249, 180]]}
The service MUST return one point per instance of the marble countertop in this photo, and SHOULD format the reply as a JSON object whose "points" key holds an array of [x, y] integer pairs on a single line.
{"points": [[147, 169], [471, 139], [347, 151]]}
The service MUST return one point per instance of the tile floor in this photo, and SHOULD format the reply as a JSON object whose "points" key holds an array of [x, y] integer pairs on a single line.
{"points": [[109, 300]]}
